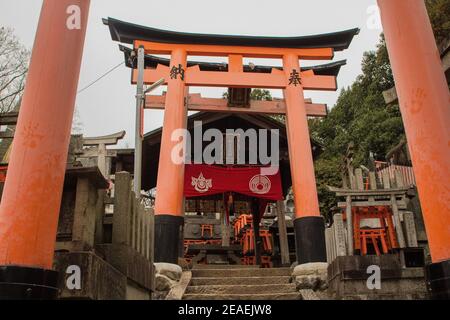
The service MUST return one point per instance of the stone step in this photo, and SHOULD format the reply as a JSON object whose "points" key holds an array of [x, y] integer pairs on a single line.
{"points": [[222, 266], [384, 297], [242, 289], [240, 280], [249, 297], [240, 272]]}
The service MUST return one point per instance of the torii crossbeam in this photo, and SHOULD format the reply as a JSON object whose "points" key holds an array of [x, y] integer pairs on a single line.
{"points": [[195, 102]]}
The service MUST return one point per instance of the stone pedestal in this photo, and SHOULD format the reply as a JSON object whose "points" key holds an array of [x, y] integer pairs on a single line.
{"points": [[348, 279], [311, 276]]}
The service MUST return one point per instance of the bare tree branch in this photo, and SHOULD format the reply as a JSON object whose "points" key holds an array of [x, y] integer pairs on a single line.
{"points": [[14, 59], [10, 82]]}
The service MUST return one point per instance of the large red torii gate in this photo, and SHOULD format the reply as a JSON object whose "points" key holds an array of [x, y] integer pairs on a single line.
{"points": [[179, 76], [31, 200]]}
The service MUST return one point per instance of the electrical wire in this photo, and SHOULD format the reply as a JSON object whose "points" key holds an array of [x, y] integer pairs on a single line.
{"points": [[100, 78]]}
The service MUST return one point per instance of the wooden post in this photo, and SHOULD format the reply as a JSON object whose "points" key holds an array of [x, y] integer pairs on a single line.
{"points": [[395, 212], [397, 222], [257, 239], [225, 229], [282, 230], [359, 179]]}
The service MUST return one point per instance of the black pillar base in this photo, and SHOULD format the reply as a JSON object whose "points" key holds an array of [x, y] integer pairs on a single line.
{"points": [[167, 238], [23, 283], [438, 280], [310, 240]]}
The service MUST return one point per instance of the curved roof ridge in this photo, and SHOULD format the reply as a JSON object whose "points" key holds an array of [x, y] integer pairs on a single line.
{"points": [[126, 32]]}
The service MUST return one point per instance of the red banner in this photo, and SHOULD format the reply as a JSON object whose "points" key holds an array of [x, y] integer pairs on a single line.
{"points": [[204, 180]]}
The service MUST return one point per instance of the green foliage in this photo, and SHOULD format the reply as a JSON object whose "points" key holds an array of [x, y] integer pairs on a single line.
{"points": [[327, 174], [360, 116], [256, 94], [13, 70], [265, 95], [439, 12], [262, 95]]}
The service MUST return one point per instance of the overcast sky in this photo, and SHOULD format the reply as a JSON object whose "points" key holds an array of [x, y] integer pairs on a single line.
{"points": [[109, 105]]}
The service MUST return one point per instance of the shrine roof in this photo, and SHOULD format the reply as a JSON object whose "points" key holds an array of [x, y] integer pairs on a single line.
{"points": [[126, 32], [151, 61]]}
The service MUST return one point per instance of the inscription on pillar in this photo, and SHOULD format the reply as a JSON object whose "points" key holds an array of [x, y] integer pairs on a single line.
{"points": [[295, 79], [339, 234], [177, 71]]}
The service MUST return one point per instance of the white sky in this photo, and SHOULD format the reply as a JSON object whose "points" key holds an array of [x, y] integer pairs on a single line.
{"points": [[109, 106]]}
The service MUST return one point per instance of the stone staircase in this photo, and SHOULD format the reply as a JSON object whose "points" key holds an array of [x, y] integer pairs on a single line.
{"points": [[228, 282]]}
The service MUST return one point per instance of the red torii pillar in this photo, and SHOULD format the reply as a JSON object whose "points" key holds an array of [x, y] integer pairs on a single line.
{"points": [[31, 200], [425, 106], [309, 225], [169, 206]]}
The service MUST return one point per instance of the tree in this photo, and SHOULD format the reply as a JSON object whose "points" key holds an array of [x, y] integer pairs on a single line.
{"points": [[14, 59], [261, 95], [256, 94], [439, 11], [361, 115], [77, 124]]}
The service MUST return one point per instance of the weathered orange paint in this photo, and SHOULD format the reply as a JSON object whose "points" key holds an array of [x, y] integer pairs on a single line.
{"points": [[324, 83], [301, 159], [236, 79], [31, 200], [425, 106], [235, 63], [247, 52], [170, 184], [197, 78]]}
